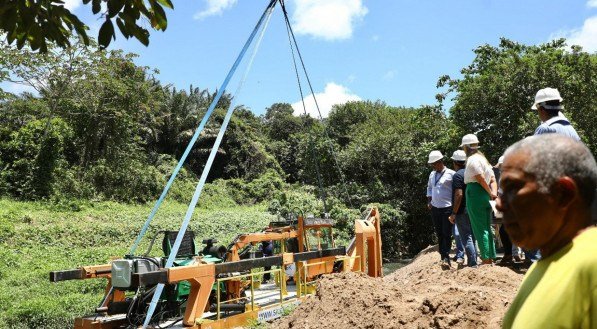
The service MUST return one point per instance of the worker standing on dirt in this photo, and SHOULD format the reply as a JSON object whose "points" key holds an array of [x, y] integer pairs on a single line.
{"points": [[480, 188], [439, 197], [459, 216], [549, 183]]}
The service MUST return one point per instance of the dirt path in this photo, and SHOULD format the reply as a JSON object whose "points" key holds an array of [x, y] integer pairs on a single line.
{"points": [[419, 295]]}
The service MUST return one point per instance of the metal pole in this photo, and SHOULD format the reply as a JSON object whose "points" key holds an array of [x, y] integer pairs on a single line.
{"points": [[218, 298]]}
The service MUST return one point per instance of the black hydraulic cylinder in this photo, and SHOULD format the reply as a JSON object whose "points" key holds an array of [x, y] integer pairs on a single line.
{"points": [[76, 274], [247, 264], [228, 307], [307, 255]]}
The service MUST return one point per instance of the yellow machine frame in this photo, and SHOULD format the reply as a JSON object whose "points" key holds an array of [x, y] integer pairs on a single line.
{"points": [[364, 253]]}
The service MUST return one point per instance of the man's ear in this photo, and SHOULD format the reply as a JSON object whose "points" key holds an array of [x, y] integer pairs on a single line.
{"points": [[566, 191]]}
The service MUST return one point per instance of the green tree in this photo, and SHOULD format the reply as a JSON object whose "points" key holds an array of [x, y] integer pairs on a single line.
{"points": [[37, 22], [385, 162], [343, 118], [283, 130], [32, 155], [494, 95], [280, 123]]}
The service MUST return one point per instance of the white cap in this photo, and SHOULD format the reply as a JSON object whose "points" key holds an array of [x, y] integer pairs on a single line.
{"points": [[459, 155], [469, 139], [501, 160], [546, 95], [435, 156]]}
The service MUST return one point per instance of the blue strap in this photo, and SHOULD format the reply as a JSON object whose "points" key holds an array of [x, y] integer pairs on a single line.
{"points": [[158, 291], [193, 140]]}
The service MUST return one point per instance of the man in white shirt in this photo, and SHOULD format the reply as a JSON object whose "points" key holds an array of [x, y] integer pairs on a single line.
{"points": [[439, 197]]}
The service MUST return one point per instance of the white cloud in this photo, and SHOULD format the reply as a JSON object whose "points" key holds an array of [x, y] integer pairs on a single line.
{"points": [[329, 19], [214, 7], [592, 3], [586, 36], [72, 4], [332, 94], [389, 75]]}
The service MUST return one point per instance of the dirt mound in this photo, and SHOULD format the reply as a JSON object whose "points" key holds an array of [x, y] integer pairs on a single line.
{"points": [[419, 295]]}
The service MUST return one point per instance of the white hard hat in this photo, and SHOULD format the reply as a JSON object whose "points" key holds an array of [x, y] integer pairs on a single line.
{"points": [[435, 156], [546, 95], [469, 139], [459, 155]]}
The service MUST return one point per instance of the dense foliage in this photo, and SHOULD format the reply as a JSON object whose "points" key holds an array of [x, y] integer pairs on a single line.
{"points": [[495, 92], [101, 128]]}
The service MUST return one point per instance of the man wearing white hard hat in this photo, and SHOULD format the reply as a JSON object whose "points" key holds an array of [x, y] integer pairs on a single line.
{"points": [[439, 197], [553, 123], [548, 104], [459, 216], [480, 188]]}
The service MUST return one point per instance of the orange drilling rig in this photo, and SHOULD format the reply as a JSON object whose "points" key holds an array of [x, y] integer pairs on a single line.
{"points": [[220, 287]]}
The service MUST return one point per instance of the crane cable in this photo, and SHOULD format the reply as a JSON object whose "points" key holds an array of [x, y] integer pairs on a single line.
{"points": [[292, 41], [311, 142], [264, 17]]}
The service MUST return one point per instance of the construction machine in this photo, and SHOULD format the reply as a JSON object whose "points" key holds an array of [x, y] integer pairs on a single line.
{"points": [[220, 287]]}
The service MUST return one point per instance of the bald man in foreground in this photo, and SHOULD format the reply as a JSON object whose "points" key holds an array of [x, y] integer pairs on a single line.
{"points": [[548, 184]]}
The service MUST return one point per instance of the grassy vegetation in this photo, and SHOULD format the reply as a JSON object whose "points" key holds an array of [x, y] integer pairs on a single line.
{"points": [[36, 238]]}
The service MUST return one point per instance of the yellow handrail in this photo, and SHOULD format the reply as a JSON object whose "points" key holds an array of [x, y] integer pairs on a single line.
{"points": [[241, 276]]}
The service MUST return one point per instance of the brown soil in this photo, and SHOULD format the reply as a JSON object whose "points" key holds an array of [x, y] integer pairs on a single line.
{"points": [[419, 295]]}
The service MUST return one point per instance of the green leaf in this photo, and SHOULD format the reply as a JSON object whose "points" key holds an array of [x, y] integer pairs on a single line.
{"points": [[160, 21], [141, 34], [80, 28], [106, 33], [166, 3], [96, 6], [114, 7], [122, 28]]}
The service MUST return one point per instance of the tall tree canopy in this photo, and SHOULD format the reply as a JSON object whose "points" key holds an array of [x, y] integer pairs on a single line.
{"points": [[494, 96]]}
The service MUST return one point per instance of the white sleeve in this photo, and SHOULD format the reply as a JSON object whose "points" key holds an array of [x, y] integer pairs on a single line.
{"points": [[429, 190]]}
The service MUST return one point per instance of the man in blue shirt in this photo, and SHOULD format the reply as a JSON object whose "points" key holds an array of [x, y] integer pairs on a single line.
{"points": [[459, 215], [439, 201], [548, 104]]}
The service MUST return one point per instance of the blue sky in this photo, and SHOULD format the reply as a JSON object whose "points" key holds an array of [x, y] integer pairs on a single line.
{"points": [[389, 50]]}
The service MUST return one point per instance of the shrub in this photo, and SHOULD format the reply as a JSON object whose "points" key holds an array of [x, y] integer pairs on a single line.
{"points": [[32, 155]]}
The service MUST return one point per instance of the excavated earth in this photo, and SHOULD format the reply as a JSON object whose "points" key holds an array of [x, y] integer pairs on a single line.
{"points": [[419, 295]]}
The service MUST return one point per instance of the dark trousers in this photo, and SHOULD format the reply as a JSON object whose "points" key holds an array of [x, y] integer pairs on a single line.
{"points": [[443, 229], [505, 238]]}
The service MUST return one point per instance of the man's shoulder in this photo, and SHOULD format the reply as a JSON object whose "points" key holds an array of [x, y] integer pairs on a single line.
{"points": [[450, 171], [544, 129], [580, 257], [584, 248], [459, 174]]}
